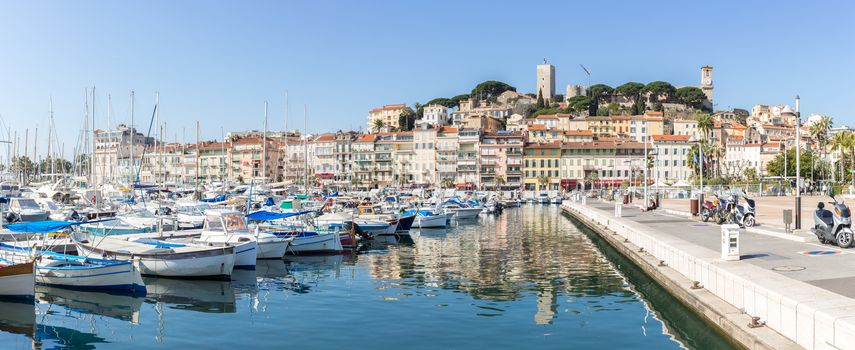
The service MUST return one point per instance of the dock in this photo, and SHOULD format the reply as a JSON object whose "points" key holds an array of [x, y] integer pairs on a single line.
{"points": [[780, 294]]}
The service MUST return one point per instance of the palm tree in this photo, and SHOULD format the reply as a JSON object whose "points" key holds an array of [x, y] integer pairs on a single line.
{"points": [[819, 132], [499, 181], [842, 142], [377, 125], [543, 180], [447, 183], [705, 124]]}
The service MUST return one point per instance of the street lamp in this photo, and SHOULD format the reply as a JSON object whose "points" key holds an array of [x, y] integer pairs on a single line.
{"points": [[798, 166]]}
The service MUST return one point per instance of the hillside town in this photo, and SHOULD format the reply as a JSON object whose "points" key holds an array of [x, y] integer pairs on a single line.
{"points": [[496, 138]]}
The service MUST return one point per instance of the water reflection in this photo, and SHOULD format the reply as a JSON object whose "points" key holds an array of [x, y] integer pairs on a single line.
{"points": [[526, 274]]}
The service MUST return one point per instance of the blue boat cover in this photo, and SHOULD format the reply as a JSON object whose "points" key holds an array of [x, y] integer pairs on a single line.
{"points": [[269, 202], [263, 215], [219, 198], [46, 226], [420, 213]]}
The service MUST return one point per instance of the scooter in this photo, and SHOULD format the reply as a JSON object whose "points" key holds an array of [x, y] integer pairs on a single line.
{"points": [[743, 214], [833, 226]]}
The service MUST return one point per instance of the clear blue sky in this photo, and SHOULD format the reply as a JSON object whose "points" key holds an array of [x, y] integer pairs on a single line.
{"points": [[217, 61]]}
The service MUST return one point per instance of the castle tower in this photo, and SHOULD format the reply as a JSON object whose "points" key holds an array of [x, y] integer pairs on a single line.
{"points": [[546, 81], [707, 85]]}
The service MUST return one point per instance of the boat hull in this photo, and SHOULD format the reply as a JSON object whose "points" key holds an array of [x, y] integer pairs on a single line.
{"points": [[466, 213], [122, 276], [315, 244], [433, 221], [17, 281], [201, 264]]}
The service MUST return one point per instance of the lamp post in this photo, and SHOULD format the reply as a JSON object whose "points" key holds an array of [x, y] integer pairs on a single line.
{"points": [[798, 166]]}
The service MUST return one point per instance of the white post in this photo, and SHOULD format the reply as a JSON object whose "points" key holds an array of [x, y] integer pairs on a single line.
{"points": [[730, 242]]}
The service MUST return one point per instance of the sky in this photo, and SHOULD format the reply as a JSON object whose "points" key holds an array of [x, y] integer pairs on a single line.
{"points": [[218, 62]]}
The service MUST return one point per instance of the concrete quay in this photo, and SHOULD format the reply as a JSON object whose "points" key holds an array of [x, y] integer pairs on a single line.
{"points": [[802, 292]]}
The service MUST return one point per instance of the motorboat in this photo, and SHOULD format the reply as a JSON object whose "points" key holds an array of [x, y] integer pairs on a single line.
{"points": [[556, 200], [543, 197], [159, 258], [427, 218], [462, 211], [190, 215], [25, 210], [305, 240], [224, 226]]}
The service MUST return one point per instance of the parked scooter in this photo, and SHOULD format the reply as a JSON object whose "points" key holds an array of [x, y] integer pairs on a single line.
{"points": [[731, 211], [833, 226]]}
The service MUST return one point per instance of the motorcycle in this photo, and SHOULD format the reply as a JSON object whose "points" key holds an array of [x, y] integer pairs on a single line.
{"points": [[834, 226], [709, 209]]}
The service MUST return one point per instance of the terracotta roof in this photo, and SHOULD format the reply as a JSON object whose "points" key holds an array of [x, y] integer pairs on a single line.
{"points": [[578, 133], [447, 130], [389, 108], [503, 134], [654, 119], [654, 113], [537, 127], [247, 141], [547, 116], [620, 117], [325, 138], [682, 138], [367, 138]]}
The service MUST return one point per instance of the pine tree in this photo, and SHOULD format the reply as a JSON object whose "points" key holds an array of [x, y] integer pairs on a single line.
{"points": [[540, 103]]}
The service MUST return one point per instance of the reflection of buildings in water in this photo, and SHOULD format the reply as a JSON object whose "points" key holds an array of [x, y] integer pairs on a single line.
{"points": [[118, 306], [547, 306], [530, 249]]}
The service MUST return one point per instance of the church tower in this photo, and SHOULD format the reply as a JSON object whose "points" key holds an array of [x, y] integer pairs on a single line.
{"points": [[707, 85]]}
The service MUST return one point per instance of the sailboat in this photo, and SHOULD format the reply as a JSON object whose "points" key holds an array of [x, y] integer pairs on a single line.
{"points": [[17, 280]]}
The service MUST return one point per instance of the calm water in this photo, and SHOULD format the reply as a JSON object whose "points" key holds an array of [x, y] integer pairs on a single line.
{"points": [[527, 278]]}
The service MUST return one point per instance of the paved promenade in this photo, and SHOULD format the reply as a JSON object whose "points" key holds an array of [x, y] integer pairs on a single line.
{"points": [[803, 290], [769, 209]]}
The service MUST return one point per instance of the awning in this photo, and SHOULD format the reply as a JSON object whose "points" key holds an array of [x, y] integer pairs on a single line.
{"points": [[263, 215], [47, 225]]}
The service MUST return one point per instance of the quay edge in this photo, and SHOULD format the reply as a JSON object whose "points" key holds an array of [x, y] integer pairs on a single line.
{"points": [[729, 320]]}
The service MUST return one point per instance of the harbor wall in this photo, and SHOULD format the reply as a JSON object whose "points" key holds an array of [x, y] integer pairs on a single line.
{"points": [[796, 314]]}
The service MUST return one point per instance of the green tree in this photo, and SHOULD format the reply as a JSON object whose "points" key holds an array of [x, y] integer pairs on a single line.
{"points": [[540, 104], [639, 107], [776, 166], [631, 89], [691, 96], [750, 174], [498, 181], [842, 142], [406, 119], [559, 98], [545, 111], [578, 103], [447, 183], [658, 107], [819, 131], [660, 91], [442, 101], [600, 91], [490, 89], [377, 125], [705, 125], [455, 101]]}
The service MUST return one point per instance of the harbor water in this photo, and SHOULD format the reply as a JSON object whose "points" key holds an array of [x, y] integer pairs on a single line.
{"points": [[530, 277]]}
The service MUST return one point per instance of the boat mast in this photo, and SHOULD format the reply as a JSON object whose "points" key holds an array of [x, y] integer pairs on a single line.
{"points": [[264, 141], [157, 135], [224, 161], [287, 161], [198, 193], [132, 132], [50, 133], [306, 148], [92, 154]]}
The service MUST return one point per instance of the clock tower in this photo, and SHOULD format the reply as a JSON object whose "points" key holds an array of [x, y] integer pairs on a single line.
{"points": [[707, 85]]}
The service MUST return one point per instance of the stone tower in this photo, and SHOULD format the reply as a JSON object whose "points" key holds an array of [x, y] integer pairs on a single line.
{"points": [[707, 85], [546, 81]]}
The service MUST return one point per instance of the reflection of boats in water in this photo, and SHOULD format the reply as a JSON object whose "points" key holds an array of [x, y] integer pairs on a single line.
{"points": [[273, 275], [17, 316], [119, 306], [193, 295]]}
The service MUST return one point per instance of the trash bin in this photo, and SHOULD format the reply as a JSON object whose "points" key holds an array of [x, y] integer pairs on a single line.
{"points": [[693, 206]]}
